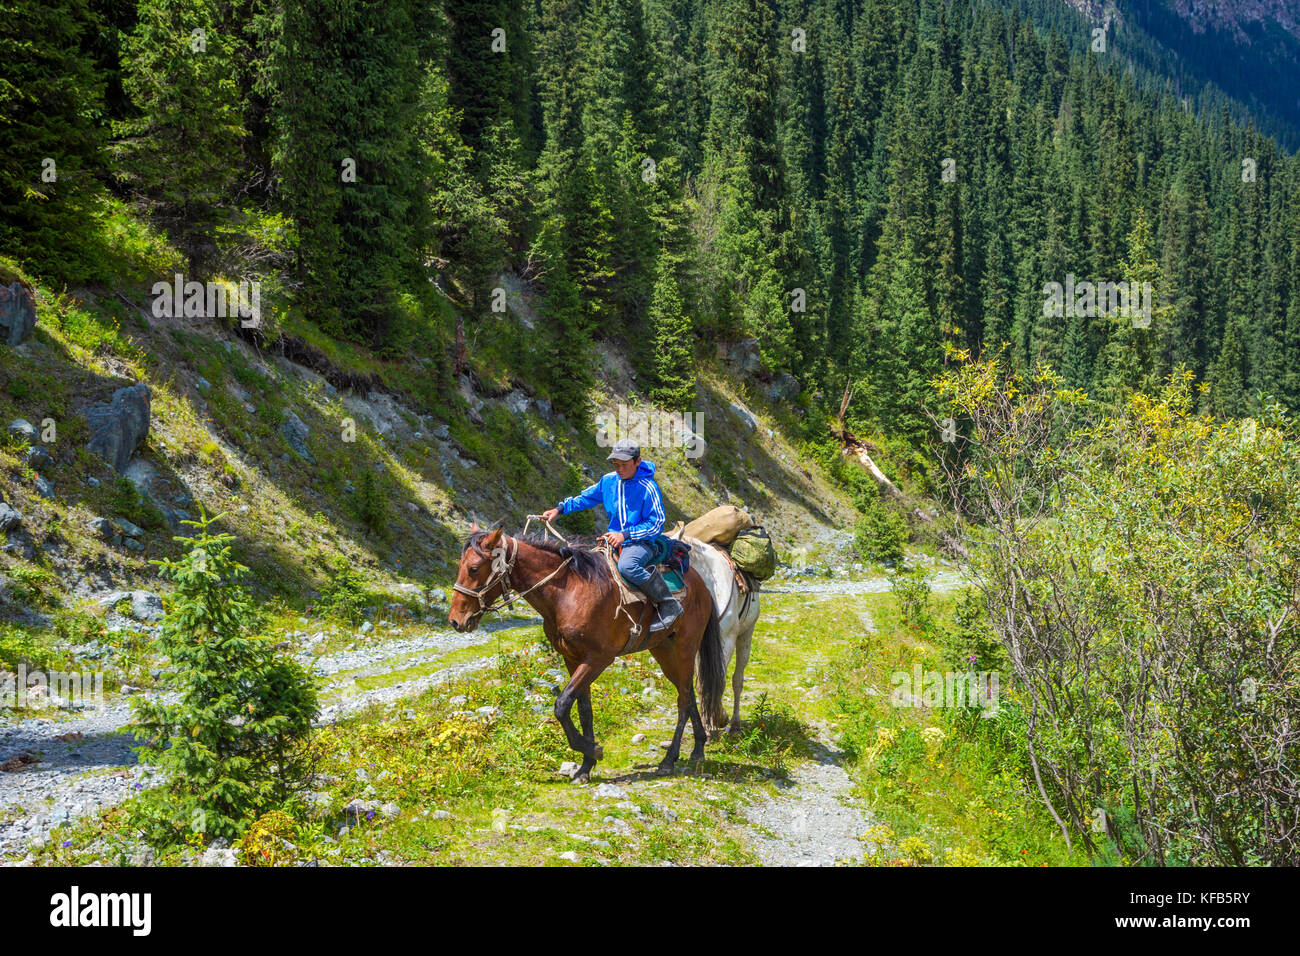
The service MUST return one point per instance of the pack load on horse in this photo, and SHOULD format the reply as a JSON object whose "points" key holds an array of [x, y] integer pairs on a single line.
{"points": [[733, 555], [747, 544], [587, 603]]}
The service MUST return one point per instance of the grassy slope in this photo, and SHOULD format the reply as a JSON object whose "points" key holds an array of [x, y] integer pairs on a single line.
{"points": [[818, 660], [219, 441], [218, 407]]}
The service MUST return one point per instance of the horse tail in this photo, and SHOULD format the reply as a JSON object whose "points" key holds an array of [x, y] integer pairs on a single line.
{"points": [[709, 670]]}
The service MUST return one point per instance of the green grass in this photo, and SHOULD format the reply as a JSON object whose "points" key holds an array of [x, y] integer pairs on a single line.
{"points": [[959, 797], [955, 798]]}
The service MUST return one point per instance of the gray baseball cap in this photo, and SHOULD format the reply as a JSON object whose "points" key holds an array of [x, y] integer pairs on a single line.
{"points": [[625, 449]]}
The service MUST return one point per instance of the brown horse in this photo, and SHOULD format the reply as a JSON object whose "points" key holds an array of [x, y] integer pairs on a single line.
{"points": [[574, 592]]}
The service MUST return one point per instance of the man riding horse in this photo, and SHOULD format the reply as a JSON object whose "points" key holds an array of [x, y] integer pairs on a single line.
{"points": [[631, 498]]}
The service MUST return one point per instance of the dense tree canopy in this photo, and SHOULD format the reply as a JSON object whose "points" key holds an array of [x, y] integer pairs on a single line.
{"points": [[856, 186]]}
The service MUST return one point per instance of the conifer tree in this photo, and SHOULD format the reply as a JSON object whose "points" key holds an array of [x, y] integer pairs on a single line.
{"points": [[178, 154], [348, 93], [232, 745], [674, 359], [49, 94]]}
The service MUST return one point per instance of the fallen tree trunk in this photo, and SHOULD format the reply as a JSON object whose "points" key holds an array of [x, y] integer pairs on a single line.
{"points": [[856, 448]]}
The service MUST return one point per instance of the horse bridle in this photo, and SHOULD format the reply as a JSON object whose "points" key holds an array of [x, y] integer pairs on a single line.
{"points": [[501, 568]]}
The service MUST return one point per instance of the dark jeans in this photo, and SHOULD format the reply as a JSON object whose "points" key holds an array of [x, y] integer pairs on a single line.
{"points": [[632, 561]]}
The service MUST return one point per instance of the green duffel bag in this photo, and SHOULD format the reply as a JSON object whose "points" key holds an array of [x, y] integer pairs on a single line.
{"points": [[753, 552]]}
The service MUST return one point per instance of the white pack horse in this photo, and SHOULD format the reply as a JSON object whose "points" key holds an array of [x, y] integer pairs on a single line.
{"points": [[737, 615]]}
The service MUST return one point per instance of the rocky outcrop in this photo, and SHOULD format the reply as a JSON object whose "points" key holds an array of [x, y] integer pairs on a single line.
{"points": [[295, 431], [9, 518], [745, 415], [782, 388], [743, 357], [17, 312], [118, 427]]}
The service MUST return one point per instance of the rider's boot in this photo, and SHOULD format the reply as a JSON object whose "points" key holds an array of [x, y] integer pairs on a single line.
{"points": [[667, 608]]}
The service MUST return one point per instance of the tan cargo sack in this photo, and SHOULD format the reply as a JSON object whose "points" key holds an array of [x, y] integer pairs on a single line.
{"points": [[721, 525]]}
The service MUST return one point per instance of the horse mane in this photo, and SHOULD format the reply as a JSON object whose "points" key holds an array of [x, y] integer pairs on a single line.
{"points": [[589, 565]]}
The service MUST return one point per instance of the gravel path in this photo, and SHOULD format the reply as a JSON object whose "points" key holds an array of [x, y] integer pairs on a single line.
{"points": [[815, 820], [942, 581], [84, 764]]}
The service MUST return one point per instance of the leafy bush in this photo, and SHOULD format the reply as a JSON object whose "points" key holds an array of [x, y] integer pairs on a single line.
{"points": [[1138, 567], [344, 595], [880, 534], [911, 588], [773, 733], [126, 501], [969, 643], [232, 748], [270, 841]]}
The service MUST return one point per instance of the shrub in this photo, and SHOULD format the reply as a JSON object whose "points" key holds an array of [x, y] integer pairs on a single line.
{"points": [[344, 595], [269, 841], [1138, 566], [880, 535], [126, 501], [911, 588]]}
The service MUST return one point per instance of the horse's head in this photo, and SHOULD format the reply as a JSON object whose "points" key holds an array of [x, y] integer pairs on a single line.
{"points": [[473, 576]]}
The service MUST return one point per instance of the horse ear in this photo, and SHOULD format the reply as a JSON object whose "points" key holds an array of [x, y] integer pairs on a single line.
{"points": [[492, 539], [473, 527]]}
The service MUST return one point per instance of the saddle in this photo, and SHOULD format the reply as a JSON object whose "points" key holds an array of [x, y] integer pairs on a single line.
{"points": [[672, 560]]}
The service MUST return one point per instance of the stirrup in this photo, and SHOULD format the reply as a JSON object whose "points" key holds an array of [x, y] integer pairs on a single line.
{"points": [[664, 623]]}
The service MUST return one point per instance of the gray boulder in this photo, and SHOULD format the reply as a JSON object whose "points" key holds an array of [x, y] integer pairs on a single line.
{"points": [[44, 487], [39, 458], [214, 856], [743, 357], [17, 312], [9, 518], [118, 427], [783, 388], [23, 428], [745, 415], [517, 402], [112, 599], [146, 606], [295, 432], [129, 528]]}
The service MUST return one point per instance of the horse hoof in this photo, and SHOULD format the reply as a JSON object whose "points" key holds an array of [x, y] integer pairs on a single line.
{"points": [[599, 752], [581, 778], [664, 769]]}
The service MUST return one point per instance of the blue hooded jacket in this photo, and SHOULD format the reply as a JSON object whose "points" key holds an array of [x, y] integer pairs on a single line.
{"points": [[635, 507]]}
